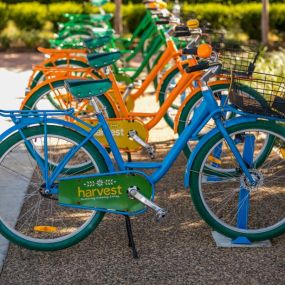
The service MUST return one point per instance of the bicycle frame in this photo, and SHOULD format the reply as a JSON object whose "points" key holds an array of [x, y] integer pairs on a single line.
{"points": [[207, 110]]}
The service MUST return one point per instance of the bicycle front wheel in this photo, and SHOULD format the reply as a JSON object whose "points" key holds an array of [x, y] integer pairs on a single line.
{"points": [[230, 204], [167, 87], [28, 216]]}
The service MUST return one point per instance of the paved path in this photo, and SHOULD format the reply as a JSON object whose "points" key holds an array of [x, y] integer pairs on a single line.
{"points": [[14, 74], [15, 70]]}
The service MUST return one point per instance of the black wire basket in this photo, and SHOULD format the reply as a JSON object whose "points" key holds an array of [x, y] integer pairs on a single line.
{"points": [[262, 94], [236, 59]]}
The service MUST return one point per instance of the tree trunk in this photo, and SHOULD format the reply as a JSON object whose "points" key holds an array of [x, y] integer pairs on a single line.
{"points": [[118, 17], [265, 21]]}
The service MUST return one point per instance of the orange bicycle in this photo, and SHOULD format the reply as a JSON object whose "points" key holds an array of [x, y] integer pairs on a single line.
{"points": [[113, 103]]}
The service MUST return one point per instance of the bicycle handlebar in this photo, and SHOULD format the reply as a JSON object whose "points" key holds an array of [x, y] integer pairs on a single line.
{"points": [[179, 34], [162, 22], [200, 66], [192, 51], [181, 29]]}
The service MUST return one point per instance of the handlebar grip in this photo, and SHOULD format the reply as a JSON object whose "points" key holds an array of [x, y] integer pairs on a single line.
{"points": [[181, 29], [200, 66], [161, 17], [161, 22], [192, 51], [181, 34]]}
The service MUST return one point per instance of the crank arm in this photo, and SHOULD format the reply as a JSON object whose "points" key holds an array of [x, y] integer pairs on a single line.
{"points": [[160, 212], [149, 148]]}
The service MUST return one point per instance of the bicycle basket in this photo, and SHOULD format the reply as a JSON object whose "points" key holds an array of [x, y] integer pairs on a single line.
{"points": [[236, 59], [262, 94]]}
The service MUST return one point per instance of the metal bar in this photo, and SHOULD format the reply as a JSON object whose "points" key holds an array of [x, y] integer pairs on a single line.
{"points": [[244, 194]]}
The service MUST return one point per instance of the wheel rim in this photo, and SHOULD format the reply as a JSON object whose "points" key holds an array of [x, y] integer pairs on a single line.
{"points": [[34, 210], [173, 109], [220, 195]]}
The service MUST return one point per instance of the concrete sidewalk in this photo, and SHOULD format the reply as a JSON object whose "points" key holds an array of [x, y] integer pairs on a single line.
{"points": [[15, 70]]}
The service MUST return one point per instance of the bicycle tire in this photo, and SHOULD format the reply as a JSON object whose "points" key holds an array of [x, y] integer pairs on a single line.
{"points": [[70, 230], [216, 201]]}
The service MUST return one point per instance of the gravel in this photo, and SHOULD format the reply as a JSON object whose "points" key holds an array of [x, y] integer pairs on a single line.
{"points": [[177, 250]]}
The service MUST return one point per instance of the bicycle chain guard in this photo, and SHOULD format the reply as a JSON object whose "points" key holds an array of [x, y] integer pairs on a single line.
{"points": [[105, 192], [120, 129]]}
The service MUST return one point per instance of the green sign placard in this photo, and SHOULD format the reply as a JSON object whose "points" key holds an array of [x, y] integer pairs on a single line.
{"points": [[104, 191]]}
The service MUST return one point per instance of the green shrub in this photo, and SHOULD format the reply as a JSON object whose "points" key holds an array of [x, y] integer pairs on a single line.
{"points": [[130, 19], [277, 17], [217, 14], [249, 17], [28, 15], [56, 11], [32, 17], [272, 62], [3, 15]]}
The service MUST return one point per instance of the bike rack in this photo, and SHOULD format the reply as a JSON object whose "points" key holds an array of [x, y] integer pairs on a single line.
{"points": [[243, 206]]}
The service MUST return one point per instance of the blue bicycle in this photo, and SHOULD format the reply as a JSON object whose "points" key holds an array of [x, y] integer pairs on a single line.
{"points": [[62, 180]]}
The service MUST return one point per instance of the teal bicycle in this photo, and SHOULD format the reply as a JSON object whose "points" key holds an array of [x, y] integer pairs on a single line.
{"points": [[70, 182]]}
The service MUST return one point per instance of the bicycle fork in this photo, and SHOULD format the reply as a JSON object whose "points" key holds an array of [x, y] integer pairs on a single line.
{"points": [[235, 151]]}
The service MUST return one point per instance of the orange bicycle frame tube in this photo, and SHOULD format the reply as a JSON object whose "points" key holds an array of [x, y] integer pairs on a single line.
{"points": [[185, 81], [170, 52]]}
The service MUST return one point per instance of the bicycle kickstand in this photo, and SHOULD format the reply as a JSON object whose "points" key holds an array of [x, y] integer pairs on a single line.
{"points": [[131, 237], [129, 225]]}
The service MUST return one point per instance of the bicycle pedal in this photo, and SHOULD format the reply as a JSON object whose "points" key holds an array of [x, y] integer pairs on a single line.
{"points": [[160, 214], [150, 149]]}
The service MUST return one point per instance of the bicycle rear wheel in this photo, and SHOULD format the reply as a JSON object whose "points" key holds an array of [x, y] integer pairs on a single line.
{"points": [[222, 201], [54, 96], [28, 216], [39, 76]]}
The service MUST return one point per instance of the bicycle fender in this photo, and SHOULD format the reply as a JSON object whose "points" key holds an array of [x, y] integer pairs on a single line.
{"points": [[189, 97], [180, 109], [209, 135], [164, 76]]}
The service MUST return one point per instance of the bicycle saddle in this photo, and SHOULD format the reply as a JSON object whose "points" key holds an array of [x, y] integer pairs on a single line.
{"points": [[81, 88], [97, 42], [99, 3], [98, 60]]}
